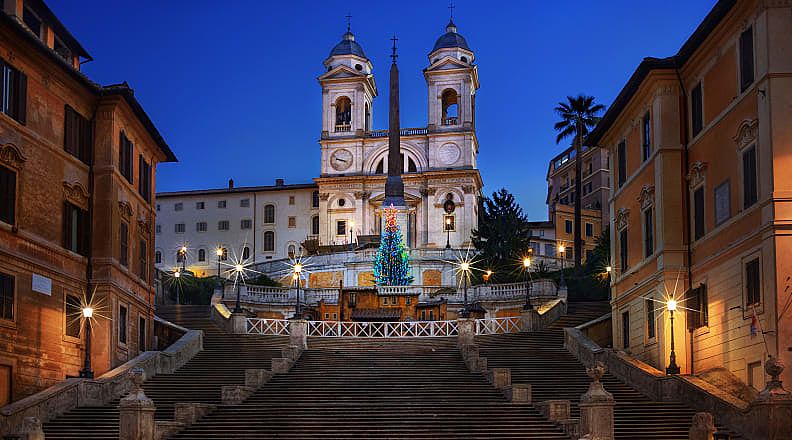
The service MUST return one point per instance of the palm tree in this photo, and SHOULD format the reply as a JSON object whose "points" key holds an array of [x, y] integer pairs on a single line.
{"points": [[579, 115]]}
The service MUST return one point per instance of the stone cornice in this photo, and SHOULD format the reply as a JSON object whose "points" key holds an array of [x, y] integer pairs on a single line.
{"points": [[76, 194]]}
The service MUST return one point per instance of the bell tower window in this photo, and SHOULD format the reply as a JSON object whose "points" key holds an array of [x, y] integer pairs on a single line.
{"points": [[343, 109], [450, 103], [380, 167], [368, 117]]}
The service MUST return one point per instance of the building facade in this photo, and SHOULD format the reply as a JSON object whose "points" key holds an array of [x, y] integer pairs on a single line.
{"points": [[698, 212], [342, 207], [77, 172]]}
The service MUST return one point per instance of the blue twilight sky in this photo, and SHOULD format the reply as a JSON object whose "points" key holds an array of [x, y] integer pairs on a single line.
{"points": [[231, 85]]}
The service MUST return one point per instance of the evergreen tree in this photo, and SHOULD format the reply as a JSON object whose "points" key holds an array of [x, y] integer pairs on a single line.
{"points": [[503, 232], [392, 265]]}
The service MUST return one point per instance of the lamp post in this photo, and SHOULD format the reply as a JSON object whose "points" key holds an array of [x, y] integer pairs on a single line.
{"points": [[527, 266], [465, 269], [219, 253], [296, 277], [561, 249], [177, 275], [672, 367], [608, 270], [351, 228], [238, 269], [87, 372], [183, 253], [448, 232], [487, 276]]}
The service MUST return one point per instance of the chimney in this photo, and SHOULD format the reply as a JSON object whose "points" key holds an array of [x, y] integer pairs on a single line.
{"points": [[278, 182], [230, 183]]}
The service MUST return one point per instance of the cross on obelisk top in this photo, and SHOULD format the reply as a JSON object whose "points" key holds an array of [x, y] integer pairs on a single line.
{"points": [[349, 22], [451, 8], [393, 55]]}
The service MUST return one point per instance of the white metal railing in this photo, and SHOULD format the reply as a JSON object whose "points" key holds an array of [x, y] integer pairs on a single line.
{"points": [[269, 327], [400, 329], [490, 326]]}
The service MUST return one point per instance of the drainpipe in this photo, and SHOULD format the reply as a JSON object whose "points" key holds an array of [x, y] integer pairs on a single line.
{"points": [[686, 169]]}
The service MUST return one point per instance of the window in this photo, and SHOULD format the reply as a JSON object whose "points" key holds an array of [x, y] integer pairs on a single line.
{"points": [[158, 207], [269, 241], [648, 232], [291, 251], [626, 330], [315, 199], [647, 136], [589, 230], [244, 203], [143, 259], [158, 229], [697, 304], [32, 21], [623, 249], [125, 157], [7, 195], [141, 333], [450, 107], [698, 212], [6, 296], [179, 228], [651, 325], [13, 94], [123, 240], [246, 224], [77, 136], [343, 108], [200, 205], [568, 226], [291, 200], [292, 222], [750, 184], [221, 204], [746, 59], [315, 225], [201, 227], [75, 229], [122, 324], [587, 188], [753, 289], [722, 202], [245, 253], [223, 225], [144, 178], [621, 156], [550, 250], [73, 311], [158, 257], [201, 254], [697, 109], [380, 167], [269, 214], [178, 206], [341, 203], [407, 300], [341, 227]]}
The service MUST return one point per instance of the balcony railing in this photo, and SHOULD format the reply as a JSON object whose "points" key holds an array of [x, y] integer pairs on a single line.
{"points": [[451, 121], [402, 132], [341, 128]]}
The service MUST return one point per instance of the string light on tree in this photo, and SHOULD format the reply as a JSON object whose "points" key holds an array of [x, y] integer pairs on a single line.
{"points": [[392, 265]]}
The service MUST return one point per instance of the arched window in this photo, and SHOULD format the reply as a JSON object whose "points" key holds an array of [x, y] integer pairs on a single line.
{"points": [[269, 241], [315, 199], [411, 167], [380, 167], [158, 257], [269, 214], [245, 253], [343, 114], [315, 225], [291, 251], [368, 117], [201, 254], [450, 102]]}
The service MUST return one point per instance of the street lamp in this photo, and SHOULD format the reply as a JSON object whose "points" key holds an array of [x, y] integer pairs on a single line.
{"points": [[487, 275], [527, 266], [464, 267], [87, 372], [219, 252], [177, 275], [183, 253], [296, 277], [672, 367], [561, 249], [238, 269], [448, 232], [351, 228]]}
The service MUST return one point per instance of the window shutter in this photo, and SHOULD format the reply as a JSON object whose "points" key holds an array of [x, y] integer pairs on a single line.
{"points": [[7, 195], [67, 226], [86, 141], [21, 97], [749, 177]]}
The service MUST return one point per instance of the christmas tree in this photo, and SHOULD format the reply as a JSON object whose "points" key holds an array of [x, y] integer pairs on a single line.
{"points": [[391, 265]]}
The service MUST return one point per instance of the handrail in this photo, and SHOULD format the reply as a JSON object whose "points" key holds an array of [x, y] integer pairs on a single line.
{"points": [[267, 327], [399, 329], [491, 326]]}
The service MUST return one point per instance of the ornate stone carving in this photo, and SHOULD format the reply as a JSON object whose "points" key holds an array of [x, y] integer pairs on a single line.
{"points": [[144, 225], [362, 195], [646, 197], [596, 393], [76, 194], [746, 133], [125, 209], [622, 218], [774, 390], [12, 156], [695, 176], [324, 196], [468, 189]]}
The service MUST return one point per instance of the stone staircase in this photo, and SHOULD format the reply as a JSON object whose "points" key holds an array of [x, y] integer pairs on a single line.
{"points": [[222, 362], [365, 388], [540, 359]]}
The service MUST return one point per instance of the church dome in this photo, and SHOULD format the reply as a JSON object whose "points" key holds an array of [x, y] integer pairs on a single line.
{"points": [[451, 39], [348, 46]]}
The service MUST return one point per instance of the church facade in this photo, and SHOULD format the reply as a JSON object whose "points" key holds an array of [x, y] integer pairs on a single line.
{"points": [[342, 206]]}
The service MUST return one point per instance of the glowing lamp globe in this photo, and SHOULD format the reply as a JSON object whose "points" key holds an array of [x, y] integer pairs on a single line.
{"points": [[176, 274], [608, 269], [87, 312], [672, 305], [239, 268], [526, 262], [219, 252], [561, 248], [298, 268], [464, 266]]}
